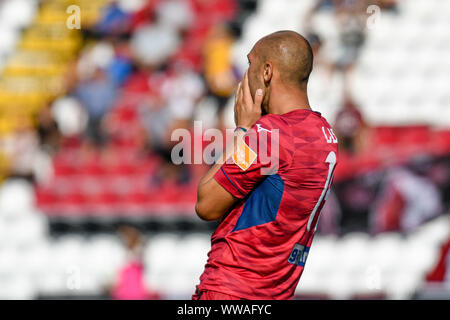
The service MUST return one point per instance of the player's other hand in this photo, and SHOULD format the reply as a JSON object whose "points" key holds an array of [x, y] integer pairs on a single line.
{"points": [[247, 110]]}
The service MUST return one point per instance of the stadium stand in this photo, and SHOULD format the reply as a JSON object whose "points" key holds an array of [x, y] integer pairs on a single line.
{"points": [[85, 122]]}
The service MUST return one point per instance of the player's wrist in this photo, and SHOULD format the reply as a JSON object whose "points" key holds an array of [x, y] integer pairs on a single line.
{"points": [[247, 122], [241, 128]]}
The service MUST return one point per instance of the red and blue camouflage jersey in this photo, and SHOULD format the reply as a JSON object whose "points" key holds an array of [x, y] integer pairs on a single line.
{"points": [[281, 173]]}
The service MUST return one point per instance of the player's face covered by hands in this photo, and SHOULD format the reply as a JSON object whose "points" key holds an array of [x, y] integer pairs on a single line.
{"points": [[247, 109]]}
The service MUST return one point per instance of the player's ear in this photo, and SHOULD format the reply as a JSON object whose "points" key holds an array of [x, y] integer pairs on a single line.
{"points": [[268, 72]]}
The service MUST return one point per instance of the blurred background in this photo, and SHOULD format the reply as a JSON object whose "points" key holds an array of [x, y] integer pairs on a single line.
{"points": [[91, 205]]}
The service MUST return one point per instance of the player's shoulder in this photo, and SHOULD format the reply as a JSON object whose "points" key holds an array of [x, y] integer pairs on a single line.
{"points": [[270, 122], [306, 121], [298, 123], [292, 118]]}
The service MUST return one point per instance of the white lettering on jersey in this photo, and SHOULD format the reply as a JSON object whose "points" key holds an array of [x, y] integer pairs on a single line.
{"points": [[332, 137], [261, 128]]}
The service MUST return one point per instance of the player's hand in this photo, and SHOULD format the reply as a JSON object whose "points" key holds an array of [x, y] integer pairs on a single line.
{"points": [[247, 110]]}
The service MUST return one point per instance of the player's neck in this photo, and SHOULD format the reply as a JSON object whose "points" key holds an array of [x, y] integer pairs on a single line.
{"points": [[285, 101]]}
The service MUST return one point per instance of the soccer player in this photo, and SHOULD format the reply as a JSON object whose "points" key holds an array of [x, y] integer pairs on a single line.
{"points": [[268, 209]]}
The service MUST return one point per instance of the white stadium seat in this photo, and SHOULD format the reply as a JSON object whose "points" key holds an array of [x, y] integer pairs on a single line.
{"points": [[18, 13], [16, 287], [353, 252], [16, 197]]}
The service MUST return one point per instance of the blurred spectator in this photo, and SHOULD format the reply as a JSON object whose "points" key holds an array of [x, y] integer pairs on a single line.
{"points": [[130, 283], [212, 12], [93, 57], [350, 126], [175, 14], [172, 108], [322, 66], [350, 22], [408, 199], [440, 273], [220, 76], [4, 164], [121, 66], [351, 19], [182, 92], [97, 95], [321, 5], [330, 216], [116, 20], [130, 6], [113, 55], [218, 67], [439, 174], [69, 115], [26, 157], [143, 44], [315, 41], [47, 128], [246, 9], [355, 196], [388, 5], [325, 5]]}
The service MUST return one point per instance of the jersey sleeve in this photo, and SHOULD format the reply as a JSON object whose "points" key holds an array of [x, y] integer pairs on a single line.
{"points": [[258, 155]]}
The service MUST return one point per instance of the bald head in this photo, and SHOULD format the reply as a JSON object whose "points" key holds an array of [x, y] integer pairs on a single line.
{"points": [[290, 53]]}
